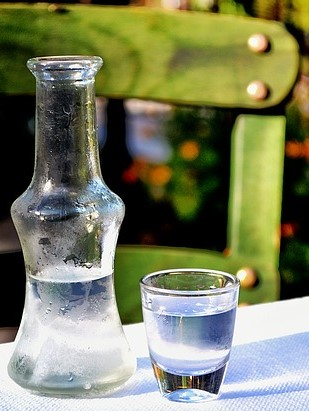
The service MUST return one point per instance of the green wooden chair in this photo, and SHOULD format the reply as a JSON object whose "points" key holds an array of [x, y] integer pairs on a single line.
{"points": [[190, 59]]}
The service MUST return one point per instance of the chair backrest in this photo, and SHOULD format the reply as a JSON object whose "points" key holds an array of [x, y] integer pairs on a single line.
{"points": [[191, 59]]}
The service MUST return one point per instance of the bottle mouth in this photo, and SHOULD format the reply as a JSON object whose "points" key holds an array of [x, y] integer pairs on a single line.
{"points": [[73, 67]]}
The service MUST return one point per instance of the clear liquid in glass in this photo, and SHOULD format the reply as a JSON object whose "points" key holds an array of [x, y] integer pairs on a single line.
{"points": [[73, 340], [190, 351]]}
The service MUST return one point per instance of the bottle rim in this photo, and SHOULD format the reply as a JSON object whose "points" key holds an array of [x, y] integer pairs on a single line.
{"points": [[50, 66]]}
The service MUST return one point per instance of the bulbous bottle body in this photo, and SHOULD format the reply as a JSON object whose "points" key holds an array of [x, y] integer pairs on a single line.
{"points": [[70, 341]]}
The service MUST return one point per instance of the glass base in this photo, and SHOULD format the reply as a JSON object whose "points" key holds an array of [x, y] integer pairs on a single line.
{"points": [[195, 388]]}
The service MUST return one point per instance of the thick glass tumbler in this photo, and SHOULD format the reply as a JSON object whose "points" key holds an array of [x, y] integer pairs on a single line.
{"points": [[189, 316]]}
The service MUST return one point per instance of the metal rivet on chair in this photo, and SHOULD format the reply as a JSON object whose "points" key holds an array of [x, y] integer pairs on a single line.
{"points": [[258, 43], [258, 90], [247, 277], [57, 8]]}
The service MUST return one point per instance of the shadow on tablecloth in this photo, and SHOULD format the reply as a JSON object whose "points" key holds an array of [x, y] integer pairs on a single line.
{"points": [[268, 367]]}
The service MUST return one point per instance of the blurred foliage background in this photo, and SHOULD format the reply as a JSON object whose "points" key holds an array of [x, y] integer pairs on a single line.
{"points": [[187, 206]]}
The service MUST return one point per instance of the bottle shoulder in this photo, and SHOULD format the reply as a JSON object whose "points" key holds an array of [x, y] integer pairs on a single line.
{"points": [[66, 202]]}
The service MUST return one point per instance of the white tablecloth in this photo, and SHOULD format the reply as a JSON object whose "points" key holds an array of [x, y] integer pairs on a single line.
{"points": [[268, 369]]}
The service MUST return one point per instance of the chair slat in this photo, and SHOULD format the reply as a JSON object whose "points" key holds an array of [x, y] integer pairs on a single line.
{"points": [[257, 156], [173, 56]]}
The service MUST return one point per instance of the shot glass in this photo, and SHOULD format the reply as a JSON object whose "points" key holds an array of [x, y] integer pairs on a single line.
{"points": [[189, 317]]}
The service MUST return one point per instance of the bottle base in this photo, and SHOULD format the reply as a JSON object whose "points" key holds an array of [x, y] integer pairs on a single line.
{"points": [[75, 386], [65, 391]]}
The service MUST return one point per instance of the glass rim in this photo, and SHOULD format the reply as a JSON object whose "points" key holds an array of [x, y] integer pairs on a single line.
{"points": [[233, 285]]}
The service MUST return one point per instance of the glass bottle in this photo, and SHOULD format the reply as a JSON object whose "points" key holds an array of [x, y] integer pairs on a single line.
{"points": [[70, 341]]}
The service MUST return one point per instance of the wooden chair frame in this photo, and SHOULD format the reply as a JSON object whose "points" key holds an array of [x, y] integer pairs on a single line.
{"points": [[191, 59]]}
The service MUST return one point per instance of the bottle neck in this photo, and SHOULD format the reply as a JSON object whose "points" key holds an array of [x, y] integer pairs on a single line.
{"points": [[66, 136]]}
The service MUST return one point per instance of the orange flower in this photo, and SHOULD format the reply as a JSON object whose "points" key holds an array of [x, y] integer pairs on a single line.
{"points": [[189, 150], [293, 149], [160, 175], [288, 229], [129, 175]]}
